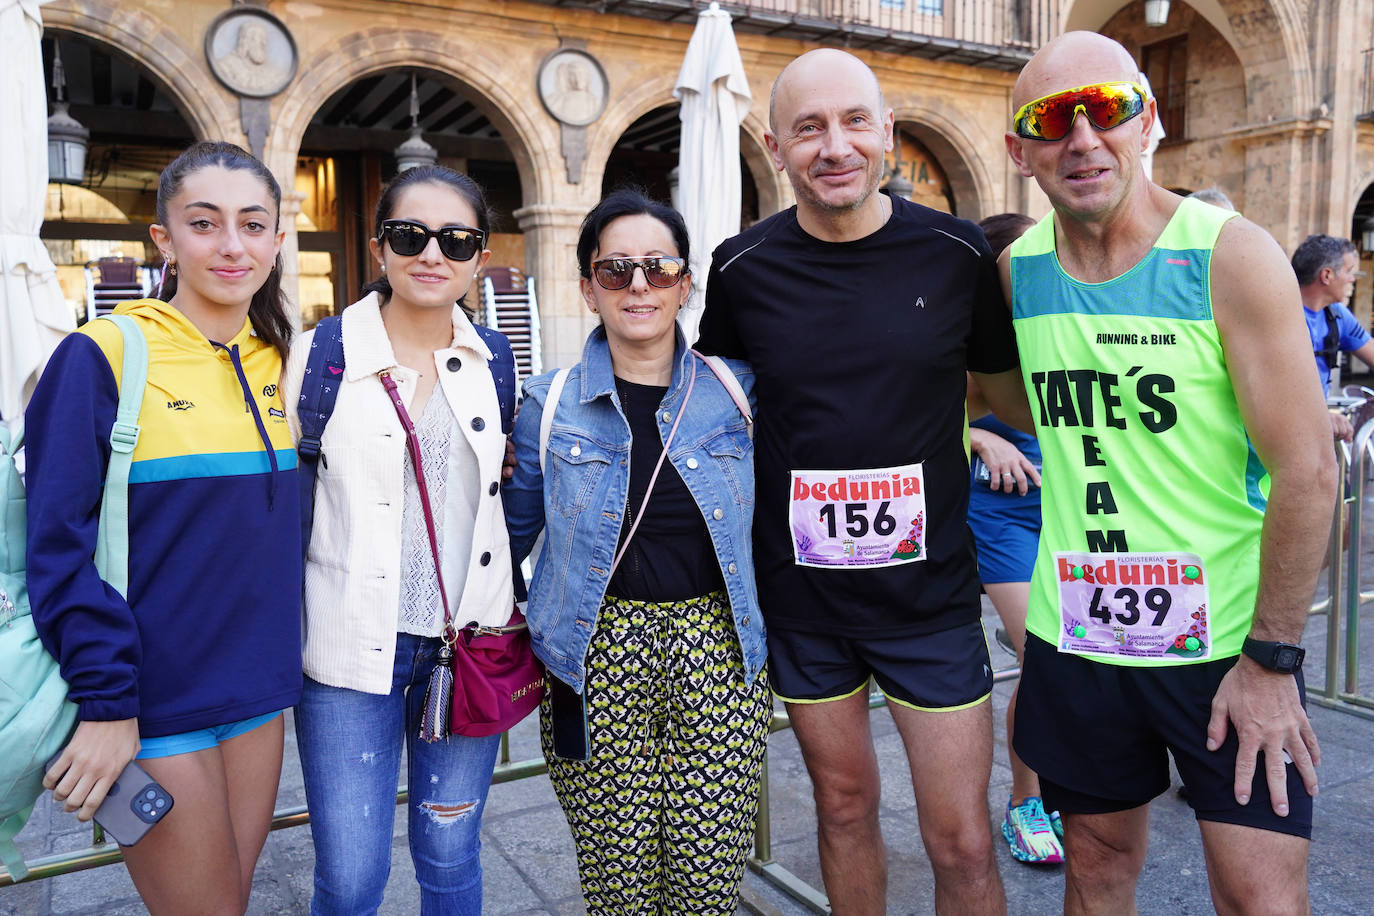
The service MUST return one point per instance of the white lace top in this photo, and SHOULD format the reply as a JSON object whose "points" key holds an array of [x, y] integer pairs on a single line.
{"points": [[440, 443]]}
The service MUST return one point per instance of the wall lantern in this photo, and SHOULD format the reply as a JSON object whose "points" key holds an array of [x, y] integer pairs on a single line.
{"points": [[897, 184], [67, 139], [415, 151], [1156, 13]]}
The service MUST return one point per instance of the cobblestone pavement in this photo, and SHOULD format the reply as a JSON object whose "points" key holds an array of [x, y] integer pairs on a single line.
{"points": [[529, 867]]}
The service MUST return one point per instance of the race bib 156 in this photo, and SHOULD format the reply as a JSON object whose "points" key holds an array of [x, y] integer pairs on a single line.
{"points": [[846, 519], [1141, 605]]}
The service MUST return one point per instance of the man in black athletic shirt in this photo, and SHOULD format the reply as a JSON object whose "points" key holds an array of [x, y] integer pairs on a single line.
{"points": [[861, 313]]}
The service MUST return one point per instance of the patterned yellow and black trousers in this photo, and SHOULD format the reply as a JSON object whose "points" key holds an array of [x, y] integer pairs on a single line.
{"points": [[663, 811]]}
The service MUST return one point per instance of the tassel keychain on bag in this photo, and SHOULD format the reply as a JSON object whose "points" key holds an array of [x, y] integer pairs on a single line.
{"points": [[438, 696]]}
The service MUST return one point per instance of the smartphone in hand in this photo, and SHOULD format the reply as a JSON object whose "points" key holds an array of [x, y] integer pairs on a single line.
{"points": [[134, 804]]}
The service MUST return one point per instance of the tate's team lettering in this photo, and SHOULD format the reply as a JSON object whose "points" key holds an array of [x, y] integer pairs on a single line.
{"points": [[1091, 398]]}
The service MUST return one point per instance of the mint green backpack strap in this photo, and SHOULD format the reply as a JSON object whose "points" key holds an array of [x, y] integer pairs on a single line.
{"points": [[14, 593], [112, 545]]}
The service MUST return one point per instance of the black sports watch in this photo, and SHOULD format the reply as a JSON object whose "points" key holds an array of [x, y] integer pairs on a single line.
{"points": [[1285, 658]]}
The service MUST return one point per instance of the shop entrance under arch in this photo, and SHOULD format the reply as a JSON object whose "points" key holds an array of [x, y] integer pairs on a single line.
{"points": [[920, 168], [1362, 299], [136, 131], [646, 156], [347, 155]]}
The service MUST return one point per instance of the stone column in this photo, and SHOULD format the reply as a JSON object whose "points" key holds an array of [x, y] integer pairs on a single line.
{"points": [[1278, 166], [1336, 175], [290, 252], [551, 259]]}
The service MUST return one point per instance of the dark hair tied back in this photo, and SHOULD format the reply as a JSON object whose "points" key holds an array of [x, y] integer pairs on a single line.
{"points": [[468, 189], [267, 312], [1004, 228], [627, 201]]}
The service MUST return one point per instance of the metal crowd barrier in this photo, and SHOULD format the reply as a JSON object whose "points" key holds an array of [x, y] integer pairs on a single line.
{"points": [[101, 852], [1341, 609], [1342, 605]]}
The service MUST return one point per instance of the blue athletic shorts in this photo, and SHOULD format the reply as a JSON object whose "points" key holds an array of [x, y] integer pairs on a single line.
{"points": [[931, 672], [1006, 528], [200, 739]]}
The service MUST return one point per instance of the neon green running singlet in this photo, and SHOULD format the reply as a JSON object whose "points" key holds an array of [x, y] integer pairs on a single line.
{"points": [[1153, 496]]}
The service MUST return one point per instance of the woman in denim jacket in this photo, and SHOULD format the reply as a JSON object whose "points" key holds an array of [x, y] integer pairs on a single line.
{"points": [[657, 717]]}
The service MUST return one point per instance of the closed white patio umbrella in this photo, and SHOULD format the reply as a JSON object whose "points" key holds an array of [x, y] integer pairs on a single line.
{"points": [[33, 314], [714, 93]]}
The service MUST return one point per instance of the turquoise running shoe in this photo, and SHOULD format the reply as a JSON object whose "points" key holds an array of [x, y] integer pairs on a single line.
{"points": [[1030, 835]]}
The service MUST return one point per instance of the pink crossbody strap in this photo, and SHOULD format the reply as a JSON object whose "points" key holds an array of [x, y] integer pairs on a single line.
{"points": [[413, 445], [732, 387], [648, 491]]}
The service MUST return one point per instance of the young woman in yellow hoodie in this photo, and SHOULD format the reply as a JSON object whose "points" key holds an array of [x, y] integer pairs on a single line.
{"points": [[191, 671]]}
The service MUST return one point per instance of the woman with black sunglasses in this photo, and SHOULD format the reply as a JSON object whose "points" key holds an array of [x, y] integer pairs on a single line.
{"points": [[638, 465], [374, 615]]}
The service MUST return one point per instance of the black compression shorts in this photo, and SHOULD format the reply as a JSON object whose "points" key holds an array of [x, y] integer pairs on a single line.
{"points": [[1099, 737]]}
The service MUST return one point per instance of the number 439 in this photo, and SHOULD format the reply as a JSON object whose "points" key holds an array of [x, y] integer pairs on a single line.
{"points": [[1157, 600]]}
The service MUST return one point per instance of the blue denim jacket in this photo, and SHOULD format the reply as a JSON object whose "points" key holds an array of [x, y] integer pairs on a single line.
{"points": [[583, 500]]}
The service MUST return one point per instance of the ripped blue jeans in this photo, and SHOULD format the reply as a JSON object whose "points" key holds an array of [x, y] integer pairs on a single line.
{"points": [[350, 749]]}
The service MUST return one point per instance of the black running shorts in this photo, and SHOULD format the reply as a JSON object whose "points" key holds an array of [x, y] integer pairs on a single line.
{"points": [[946, 670], [1099, 737]]}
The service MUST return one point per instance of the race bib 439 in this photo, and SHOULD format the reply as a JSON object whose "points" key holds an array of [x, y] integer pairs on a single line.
{"points": [[1141, 605], [845, 519]]}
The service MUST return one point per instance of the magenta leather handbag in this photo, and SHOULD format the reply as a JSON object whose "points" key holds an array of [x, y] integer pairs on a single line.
{"points": [[497, 681]]}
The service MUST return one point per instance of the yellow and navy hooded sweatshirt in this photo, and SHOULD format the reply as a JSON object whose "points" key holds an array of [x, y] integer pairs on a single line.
{"points": [[210, 632]]}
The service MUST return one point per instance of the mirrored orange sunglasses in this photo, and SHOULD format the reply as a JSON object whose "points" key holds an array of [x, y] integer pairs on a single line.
{"points": [[1106, 105]]}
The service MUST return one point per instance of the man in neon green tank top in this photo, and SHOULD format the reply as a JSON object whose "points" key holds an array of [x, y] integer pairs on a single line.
{"points": [[1188, 484]]}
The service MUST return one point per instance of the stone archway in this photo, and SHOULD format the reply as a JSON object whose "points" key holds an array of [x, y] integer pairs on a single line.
{"points": [[357, 55], [1283, 139], [774, 192], [1364, 205], [623, 111], [1362, 302], [137, 124], [360, 54], [144, 39], [1091, 14], [1268, 36], [970, 180]]}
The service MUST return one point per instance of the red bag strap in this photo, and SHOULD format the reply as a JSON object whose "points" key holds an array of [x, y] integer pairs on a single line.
{"points": [[413, 445]]}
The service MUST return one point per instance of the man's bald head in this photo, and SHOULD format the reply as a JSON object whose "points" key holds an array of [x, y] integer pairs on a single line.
{"points": [[1073, 59], [1090, 174], [832, 65]]}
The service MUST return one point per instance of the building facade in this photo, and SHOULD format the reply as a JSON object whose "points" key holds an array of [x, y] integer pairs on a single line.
{"points": [[548, 104]]}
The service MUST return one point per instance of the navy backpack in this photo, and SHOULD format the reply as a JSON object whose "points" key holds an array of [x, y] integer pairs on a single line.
{"points": [[324, 369]]}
